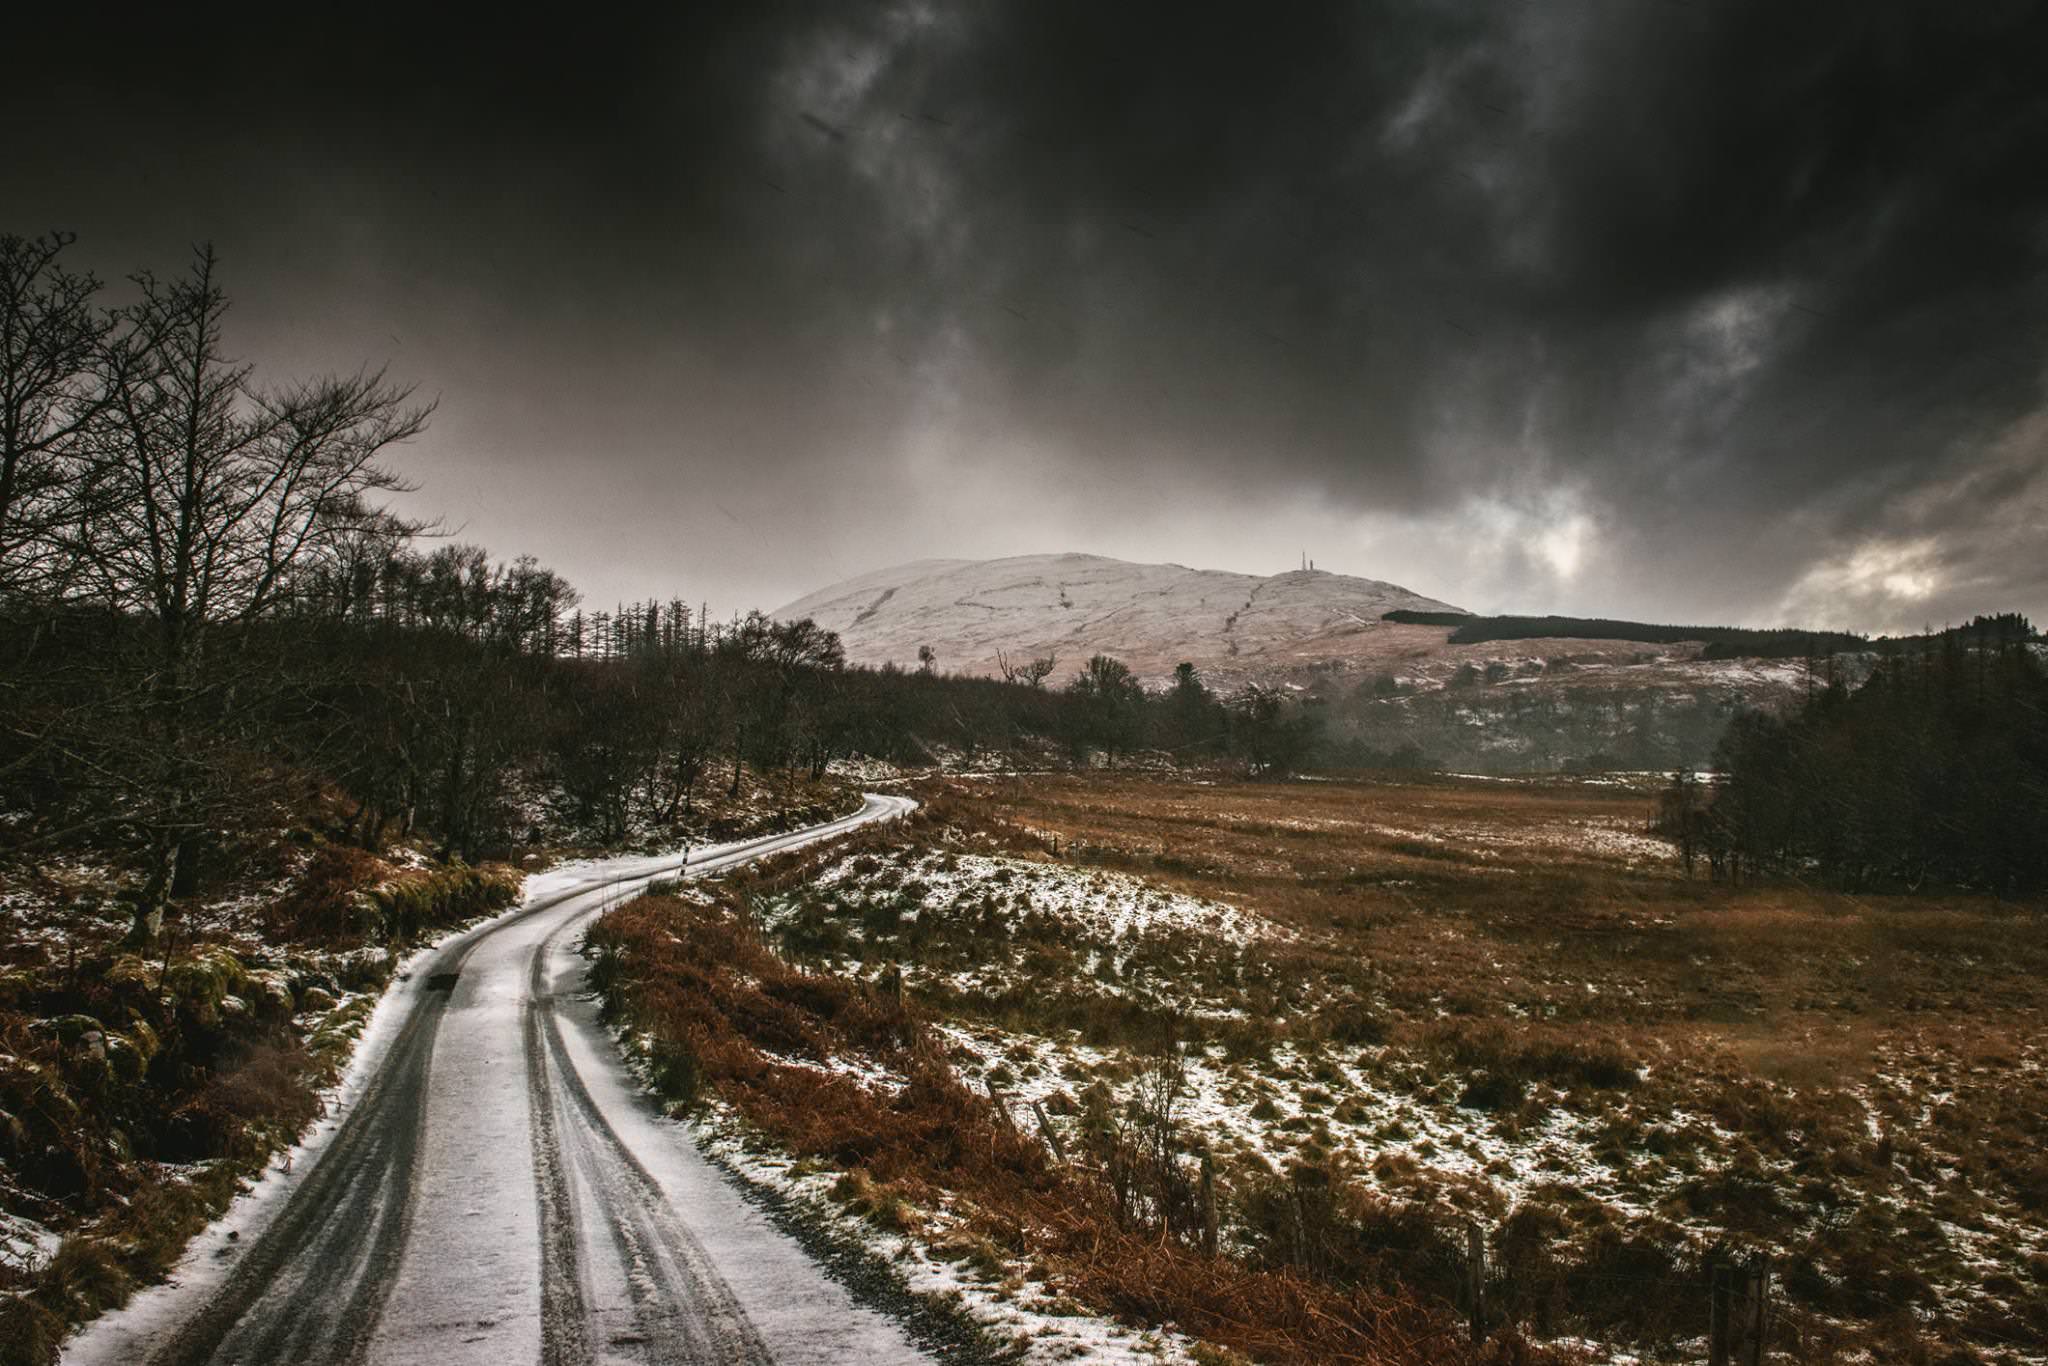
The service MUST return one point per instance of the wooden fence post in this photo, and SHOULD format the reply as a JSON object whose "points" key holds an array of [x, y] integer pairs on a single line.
{"points": [[1208, 1194], [1475, 1273], [1718, 1295], [1753, 1311], [1052, 1137], [1739, 1314], [1002, 1107]]}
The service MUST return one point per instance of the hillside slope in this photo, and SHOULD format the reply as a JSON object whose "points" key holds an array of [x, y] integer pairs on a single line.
{"points": [[1152, 616], [1496, 705]]}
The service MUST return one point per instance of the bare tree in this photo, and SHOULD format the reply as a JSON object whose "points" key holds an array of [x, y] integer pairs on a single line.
{"points": [[1031, 672], [207, 491], [694, 723], [203, 495], [52, 337], [1111, 711]]}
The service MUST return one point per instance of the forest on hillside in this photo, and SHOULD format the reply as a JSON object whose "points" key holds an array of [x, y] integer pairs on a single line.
{"points": [[1721, 642]]}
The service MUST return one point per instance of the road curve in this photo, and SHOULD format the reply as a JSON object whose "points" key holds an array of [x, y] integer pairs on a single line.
{"points": [[493, 1189]]}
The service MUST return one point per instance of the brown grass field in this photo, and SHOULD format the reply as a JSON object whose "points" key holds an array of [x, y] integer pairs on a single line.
{"points": [[1388, 1008]]}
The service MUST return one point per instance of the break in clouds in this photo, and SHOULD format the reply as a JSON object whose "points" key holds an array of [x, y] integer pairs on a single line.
{"points": [[1641, 307]]}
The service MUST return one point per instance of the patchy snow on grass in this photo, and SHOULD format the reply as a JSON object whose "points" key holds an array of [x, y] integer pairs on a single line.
{"points": [[1612, 838], [1024, 1068], [1105, 906], [994, 1291], [1408, 1143], [990, 926], [25, 1245]]}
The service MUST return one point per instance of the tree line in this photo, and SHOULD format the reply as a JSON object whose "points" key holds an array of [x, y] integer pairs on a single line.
{"points": [[1934, 771], [1722, 642]]}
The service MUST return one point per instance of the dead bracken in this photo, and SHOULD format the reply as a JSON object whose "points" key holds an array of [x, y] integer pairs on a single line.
{"points": [[1619, 1075]]}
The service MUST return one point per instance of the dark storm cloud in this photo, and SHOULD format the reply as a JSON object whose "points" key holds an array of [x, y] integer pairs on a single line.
{"points": [[1732, 307], [1706, 264]]}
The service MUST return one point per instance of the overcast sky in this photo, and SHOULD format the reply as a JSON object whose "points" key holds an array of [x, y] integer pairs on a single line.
{"points": [[1692, 310]]}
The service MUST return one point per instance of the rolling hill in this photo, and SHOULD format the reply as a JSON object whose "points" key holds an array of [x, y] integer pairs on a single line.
{"points": [[1152, 616]]}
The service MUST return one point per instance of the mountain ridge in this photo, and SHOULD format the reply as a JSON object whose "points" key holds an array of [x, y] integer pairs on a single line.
{"points": [[975, 613]]}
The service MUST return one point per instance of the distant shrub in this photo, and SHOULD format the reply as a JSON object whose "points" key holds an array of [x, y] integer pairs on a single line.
{"points": [[1354, 1023], [1561, 1061], [1491, 1091], [324, 904], [244, 1111]]}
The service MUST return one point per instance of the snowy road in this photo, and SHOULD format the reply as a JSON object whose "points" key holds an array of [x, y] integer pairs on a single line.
{"points": [[493, 1189]]}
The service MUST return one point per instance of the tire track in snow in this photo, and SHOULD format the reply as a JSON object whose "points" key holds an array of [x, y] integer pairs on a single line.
{"points": [[315, 1283], [272, 1307], [682, 1309]]}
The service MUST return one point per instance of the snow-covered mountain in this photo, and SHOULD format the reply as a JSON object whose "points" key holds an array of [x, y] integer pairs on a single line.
{"points": [[1151, 616]]}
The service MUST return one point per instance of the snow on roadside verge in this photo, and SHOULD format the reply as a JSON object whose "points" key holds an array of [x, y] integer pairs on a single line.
{"points": [[207, 1261], [25, 1245], [1046, 1327], [203, 1267]]}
